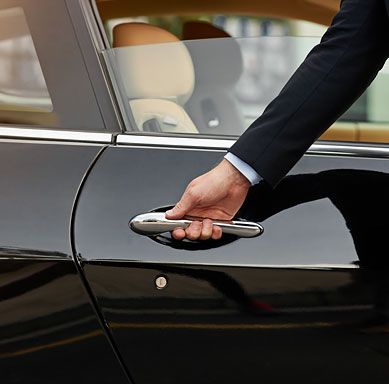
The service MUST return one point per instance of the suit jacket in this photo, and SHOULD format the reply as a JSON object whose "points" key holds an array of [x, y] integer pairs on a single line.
{"points": [[332, 77]]}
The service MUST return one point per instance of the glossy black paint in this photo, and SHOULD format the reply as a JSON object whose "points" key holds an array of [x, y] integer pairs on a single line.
{"points": [[48, 329], [38, 188], [129, 181], [242, 324], [304, 300]]}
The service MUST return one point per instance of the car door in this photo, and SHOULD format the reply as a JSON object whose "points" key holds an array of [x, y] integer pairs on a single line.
{"points": [[290, 304], [51, 130], [300, 302]]}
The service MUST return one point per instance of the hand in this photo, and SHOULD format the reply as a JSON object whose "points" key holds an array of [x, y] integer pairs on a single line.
{"points": [[218, 195]]}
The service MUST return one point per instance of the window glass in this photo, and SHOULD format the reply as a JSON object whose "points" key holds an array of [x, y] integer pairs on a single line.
{"points": [[210, 86], [219, 86], [22, 85]]}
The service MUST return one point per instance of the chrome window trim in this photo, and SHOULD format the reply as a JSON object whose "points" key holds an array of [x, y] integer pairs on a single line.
{"points": [[55, 135], [199, 143], [169, 141], [350, 149], [319, 148]]}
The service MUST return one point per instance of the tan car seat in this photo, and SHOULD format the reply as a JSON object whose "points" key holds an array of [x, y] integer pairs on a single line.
{"points": [[158, 77], [218, 68], [218, 65]]}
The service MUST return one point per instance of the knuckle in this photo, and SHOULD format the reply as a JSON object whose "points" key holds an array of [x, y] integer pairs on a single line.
{"points": [[208, 224], [193, 232], [191, 193], [192, 236], [194, 227]]}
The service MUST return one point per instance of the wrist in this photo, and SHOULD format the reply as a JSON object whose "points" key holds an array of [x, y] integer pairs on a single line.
{"points": [[234, 175]]}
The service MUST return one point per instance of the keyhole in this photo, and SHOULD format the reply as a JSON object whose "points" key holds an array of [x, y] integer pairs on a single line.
{"points": [[161, 282]]}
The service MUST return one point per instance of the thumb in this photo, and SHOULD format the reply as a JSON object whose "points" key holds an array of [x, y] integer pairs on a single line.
{"points": [[181, 208]]}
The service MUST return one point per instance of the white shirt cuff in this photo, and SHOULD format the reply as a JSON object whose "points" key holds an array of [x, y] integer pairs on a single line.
{"points": [[245, 169]]}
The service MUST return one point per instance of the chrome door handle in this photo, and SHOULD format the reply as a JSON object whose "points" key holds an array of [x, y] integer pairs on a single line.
{"points": [[155, 223]]}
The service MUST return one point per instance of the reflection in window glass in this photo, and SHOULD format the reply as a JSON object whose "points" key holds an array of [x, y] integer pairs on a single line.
{"points": [[219, 86], [22, 85]]}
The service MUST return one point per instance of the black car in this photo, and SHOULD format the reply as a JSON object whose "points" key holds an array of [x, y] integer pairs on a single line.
{"points": [[105, 116]]}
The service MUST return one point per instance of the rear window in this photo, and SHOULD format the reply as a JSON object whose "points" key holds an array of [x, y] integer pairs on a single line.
{"points": [[22, 84]]}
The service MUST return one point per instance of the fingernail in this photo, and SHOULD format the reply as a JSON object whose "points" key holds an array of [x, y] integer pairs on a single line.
{"points": [[169, 212]]}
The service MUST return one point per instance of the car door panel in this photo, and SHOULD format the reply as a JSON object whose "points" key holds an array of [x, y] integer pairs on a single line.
{"points": [[148, 178], [281, 306], [48, 328], [40, 185], [229, 323]]}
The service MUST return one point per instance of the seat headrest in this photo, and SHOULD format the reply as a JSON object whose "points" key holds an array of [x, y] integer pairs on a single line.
{"points": [[216, 56], [153, 63], [130, 34], [195, 30]]}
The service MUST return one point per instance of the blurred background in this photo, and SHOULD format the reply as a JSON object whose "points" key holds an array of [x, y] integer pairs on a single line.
{"points": [[270, 60]]}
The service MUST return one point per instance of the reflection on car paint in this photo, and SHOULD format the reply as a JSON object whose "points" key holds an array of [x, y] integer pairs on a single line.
{"points": [[277, 313], [47, 323]]}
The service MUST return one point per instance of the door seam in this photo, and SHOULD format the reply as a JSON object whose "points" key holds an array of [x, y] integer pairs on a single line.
{"points": [[79, 266]]}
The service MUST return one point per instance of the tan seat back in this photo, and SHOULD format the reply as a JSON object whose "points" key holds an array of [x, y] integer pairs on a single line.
{"points": [[157, 74], [218, 65]]}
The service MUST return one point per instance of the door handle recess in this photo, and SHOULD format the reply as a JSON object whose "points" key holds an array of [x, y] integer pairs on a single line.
{"points": [[155, 223]]}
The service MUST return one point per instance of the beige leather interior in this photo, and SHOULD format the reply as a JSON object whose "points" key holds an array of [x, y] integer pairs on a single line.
{"points": [[130, 34], [373, 133], [171, 117], [157, 74], [358, 132], [341, 131]]}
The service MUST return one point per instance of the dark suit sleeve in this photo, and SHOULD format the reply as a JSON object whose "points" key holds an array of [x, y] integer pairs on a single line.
{"points": [[332, 77]]}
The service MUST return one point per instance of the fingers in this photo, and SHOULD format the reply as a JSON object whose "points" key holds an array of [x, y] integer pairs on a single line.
{"points": [[198, 231], [186, 203], [193, 231], [178, 233], [216, 233], [206, 231]]}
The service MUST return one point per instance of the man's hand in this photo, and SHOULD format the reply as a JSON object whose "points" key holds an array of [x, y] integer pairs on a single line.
{"points": [[216, 195]]}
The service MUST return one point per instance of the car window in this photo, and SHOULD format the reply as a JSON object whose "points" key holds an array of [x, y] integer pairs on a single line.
{"points": [[22, 84], [231, 82], [44, 78]]}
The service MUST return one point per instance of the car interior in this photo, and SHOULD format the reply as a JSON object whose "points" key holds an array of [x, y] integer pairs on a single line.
{"points": [[22, 84], [156, 101], [191, 94], [188, 82]]}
